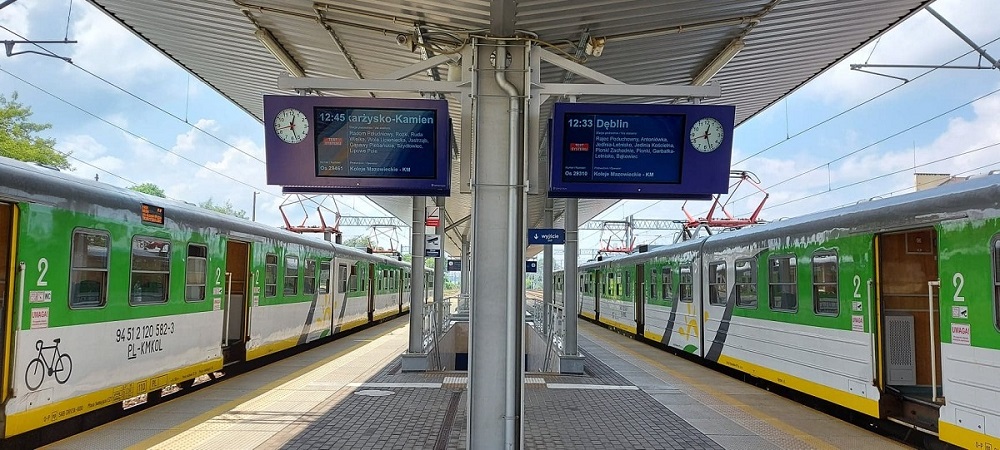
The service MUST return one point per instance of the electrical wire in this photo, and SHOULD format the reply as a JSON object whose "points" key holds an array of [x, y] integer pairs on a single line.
{"points": [[112, 84], [141, 138]]}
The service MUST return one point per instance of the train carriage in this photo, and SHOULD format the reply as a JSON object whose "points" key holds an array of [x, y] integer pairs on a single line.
{"points": [[108, 293], [888, 307]]}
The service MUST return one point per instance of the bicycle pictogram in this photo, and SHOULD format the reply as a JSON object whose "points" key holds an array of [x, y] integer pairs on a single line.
{"points": [[59, 365]]}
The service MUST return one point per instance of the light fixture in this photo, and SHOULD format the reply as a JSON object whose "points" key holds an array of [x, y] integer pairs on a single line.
{"points": [[265, 37], [719, 62]]}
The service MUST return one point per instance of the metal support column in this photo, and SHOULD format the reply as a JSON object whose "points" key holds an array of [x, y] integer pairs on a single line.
{"points": [[439, 264], [466, 259], [415, 360], [496, 348], [547, 288], [571, 361]]}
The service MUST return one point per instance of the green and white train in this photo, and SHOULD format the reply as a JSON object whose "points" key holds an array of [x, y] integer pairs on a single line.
{"points": [[108, 293], [888, 307]]}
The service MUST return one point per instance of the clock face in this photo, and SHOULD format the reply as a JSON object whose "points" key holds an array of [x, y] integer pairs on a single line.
{"points": [[707, 135], [291, 125]]}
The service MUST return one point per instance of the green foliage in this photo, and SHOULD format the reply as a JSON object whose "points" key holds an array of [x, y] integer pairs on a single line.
{"points": [[358, 242], [225, 209], [18, 136], [149, 188]]}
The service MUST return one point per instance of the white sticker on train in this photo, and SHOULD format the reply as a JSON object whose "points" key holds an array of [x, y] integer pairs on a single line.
{"points": [[858, 323], [960, 333], [39, 318]]}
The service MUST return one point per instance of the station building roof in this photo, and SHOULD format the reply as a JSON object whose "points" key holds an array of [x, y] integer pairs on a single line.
{"points": [[785, 44]]}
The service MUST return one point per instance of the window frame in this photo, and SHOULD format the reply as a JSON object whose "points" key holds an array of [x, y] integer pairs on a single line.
{"points": [[834, 283], [717, 288], [204, 273], [165, 285], [689, 298], [270, 274], [667, 284], [323, 287], [771, 285], [285, 291], [739, 285], [995, 257], [102, 300], [343, 275], [309, 277]]}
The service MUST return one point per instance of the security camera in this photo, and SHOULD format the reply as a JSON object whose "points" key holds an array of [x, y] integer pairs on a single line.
{"points": [[405, 40]]}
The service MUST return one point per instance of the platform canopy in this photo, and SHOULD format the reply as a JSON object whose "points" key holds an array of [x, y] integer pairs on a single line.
{"points": [[779, 45]]}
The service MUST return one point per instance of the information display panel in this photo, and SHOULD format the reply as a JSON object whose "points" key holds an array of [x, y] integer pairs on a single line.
{"points": [[640, 151], [357, 145]]}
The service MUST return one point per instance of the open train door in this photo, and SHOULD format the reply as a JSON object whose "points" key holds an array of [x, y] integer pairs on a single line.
{"points": [[910, 322], [8, 227], [235, 326]]}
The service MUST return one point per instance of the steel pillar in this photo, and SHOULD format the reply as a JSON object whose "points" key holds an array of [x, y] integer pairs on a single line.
{"points": [[570, 361], [415, 359], [496, 348]]}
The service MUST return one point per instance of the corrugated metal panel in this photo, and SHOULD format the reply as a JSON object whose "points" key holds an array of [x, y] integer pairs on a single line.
{"points": [[788, 43]]}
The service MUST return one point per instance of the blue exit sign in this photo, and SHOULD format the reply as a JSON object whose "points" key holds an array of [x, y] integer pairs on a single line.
{"points": [[546, 236]]}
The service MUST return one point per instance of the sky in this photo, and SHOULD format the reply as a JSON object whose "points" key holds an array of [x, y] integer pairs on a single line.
{"points": [[129, 115]]}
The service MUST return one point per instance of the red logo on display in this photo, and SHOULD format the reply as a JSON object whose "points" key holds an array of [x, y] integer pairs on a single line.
{"points": [[579, 147], [333, 141]]}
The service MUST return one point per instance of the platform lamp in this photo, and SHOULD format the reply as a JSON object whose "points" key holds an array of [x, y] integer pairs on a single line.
{"points": [[719, 62], [265, 37]]}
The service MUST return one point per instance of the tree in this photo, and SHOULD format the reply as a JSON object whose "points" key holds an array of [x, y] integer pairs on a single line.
{"points": [[149, 188], [19, 140], [359, 242], [228, 208]]}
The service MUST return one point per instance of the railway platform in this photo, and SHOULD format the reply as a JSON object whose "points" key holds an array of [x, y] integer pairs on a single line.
{"points": [[351, 394]]}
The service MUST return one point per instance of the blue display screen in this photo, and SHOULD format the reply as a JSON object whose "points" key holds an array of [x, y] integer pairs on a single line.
{"points": [[620, 148], [375, 142], [640, 151]]}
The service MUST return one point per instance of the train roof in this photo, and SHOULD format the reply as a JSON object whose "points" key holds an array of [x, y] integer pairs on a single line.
{"points": [[977, 197], [20, 181]]}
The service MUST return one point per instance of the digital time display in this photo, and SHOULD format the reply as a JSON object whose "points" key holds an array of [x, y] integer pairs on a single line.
{"points": [[367, 143], [602, 150], [358, 145], [151, 214]]}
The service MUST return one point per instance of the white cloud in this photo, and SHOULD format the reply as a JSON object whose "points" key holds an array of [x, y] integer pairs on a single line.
{"points": [[922, 39], [15, 17], [111, 51]]}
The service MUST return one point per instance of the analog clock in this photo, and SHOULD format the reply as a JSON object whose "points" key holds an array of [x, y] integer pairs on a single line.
{"points": [[707, 135], [291, 125]]}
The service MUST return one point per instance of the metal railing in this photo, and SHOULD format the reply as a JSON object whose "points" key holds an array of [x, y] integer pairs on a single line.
{"points": [[548, 319], [437, 320]]}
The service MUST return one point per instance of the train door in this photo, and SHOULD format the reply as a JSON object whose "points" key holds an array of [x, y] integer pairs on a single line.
{"points": [[640, 299], [598, 285], [371, 292], [8, 224], [235, 328], [909, 319]]}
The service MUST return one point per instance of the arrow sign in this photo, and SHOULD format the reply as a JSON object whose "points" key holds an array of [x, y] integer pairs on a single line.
{"points": [[546, 236]]}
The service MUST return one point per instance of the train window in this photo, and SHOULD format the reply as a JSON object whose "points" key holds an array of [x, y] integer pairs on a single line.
{"points": [[686, 288], [150, 270], [341, 278], [271, 275], [826, 302], [291, 285], [309, 277], [628, 285], [667, 286], [653, 284], [196, 273], [717, 283], [781, 283], [324, 278], [88, 278], [746, 283]]}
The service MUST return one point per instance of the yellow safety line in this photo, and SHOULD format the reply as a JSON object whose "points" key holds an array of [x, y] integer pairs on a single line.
{"points": [[807, 438], [204, 417]]}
